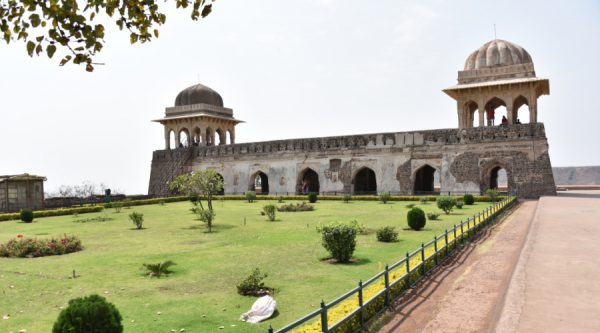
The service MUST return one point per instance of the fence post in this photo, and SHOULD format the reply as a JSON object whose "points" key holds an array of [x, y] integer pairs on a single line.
{"points": [[446, 238], [462, 232], [324, 328], [407, 271], [422, 259], [270, 329], [386, 279], [360, 304], [455, 236], [435, 250]]}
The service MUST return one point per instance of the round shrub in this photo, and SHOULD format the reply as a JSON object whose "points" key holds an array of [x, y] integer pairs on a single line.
{"points": [[416, 218], [387, 234], [431, 216], [89, 314], [460, 204], [250, 196], [312, 197], [26, 215], [340, 241], [468, 199]]}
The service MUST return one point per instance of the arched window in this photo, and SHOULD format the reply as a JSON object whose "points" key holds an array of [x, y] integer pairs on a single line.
{"points": [[308, 181], [426, 181], [365, 181], [184, 138], [259, 182], [196, 137], [520, 110], [495, 112]]}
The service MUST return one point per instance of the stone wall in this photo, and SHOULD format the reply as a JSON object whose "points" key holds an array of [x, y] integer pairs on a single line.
{"points": [[464, 159]]}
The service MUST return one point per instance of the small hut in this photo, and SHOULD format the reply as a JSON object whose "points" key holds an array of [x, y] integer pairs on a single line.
{"points": [[23, 191]]}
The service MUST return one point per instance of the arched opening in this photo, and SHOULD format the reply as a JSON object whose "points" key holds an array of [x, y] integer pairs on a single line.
{"points": [[197, 137], [495, 112], [365, 182], [518, 107], [499, 179], [220, 137], [172, 144], [427, 181], [472, 114], [184, 138], [209, 137], [222, 191], [308, 181], [259, 182]]}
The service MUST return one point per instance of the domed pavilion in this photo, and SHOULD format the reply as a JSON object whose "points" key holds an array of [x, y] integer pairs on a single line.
{"points": [[499, 73], [198, 118]]}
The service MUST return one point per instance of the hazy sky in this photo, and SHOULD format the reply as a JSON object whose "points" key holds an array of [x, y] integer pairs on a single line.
{"points": [[292, 69]]}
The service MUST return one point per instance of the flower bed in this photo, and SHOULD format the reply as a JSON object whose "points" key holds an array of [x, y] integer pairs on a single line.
{"points": [[22, 247]]}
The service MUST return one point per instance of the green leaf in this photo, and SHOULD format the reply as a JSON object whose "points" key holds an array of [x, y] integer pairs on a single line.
{"points": [[133, 38], [50, 50], [30, 48], [65, 60], [156, 33]]}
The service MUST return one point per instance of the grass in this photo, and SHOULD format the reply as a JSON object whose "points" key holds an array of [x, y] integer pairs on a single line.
{"points": [[200, 295]]}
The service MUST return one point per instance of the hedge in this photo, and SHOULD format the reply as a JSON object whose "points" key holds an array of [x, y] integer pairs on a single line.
{"points": [[53, 212]]}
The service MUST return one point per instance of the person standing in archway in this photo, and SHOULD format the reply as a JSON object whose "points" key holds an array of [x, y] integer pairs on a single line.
{"points": [[490, 117]]}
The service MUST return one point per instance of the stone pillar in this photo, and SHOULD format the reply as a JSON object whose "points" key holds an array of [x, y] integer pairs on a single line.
{"points": [[167, 141], [481, 117], [177, 138], [533, 111], [461, 115], [232, 135], [510, 114]]}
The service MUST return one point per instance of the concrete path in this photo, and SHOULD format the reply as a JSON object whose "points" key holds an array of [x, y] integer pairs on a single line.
{"points": [[556, 284]]}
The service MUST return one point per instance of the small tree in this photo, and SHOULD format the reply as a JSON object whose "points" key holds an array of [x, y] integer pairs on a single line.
{"points": [[492, 193], [89, 314], [270, 210], [446, 204], [347, 197], [384, 197], [204, 183], [253, 284]]}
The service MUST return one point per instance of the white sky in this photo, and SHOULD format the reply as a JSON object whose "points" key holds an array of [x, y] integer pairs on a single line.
{"points": [[292, 69]]}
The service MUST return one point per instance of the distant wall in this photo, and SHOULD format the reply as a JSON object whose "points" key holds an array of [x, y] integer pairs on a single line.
{"points": [[588, 175]]}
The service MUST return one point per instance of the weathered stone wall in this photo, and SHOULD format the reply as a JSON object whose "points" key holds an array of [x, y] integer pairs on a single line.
{"points": [[464, 158]]}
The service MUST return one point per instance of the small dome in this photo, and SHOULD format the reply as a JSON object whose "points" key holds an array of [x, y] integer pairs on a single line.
{"points": [[497, 53], [198, 94]]}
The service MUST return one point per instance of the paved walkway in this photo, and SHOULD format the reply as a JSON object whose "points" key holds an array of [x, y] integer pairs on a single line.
{"points": [[537, 271], [556, 284]]}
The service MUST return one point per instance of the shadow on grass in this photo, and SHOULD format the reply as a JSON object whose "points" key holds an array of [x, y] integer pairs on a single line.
{"points": [[353, 261]]}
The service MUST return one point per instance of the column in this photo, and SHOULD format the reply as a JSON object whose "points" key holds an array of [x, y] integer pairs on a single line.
{"points": [[167, 141], [533, 111], [177, 139], [510, 113]]}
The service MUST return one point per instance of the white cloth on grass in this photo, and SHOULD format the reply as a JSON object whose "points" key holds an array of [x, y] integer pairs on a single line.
{"points": [[262, 309]]}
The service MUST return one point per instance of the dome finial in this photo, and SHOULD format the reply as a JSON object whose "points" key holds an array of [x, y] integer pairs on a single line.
{"points": [[495, 32]]}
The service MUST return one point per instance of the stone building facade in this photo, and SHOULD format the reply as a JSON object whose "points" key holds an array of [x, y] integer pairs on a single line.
{"points": [[21, 192], [466, 159]]}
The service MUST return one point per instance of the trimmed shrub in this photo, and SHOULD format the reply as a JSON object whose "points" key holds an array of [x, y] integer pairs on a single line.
{"points": [[21, 247], [250, 196], [416, 218], [409, 206], [253, 284], [312, 197], [387, 234], [360, 228], [157, 270], [117, 206], [432, 216], [299, 207], [89, 314], [424, 200], [26, 215], [459, 204], [384, 197], [137, 219], [347, 197], [468, 199], [270, 210], [339, 241], [446, 204]]}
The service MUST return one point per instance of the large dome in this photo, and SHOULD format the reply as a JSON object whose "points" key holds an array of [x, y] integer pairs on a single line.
{"points": [[198, 94], [497, 53]]}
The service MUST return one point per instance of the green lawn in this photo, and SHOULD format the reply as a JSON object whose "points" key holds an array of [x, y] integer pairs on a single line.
{"points": [[201, 295]]}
